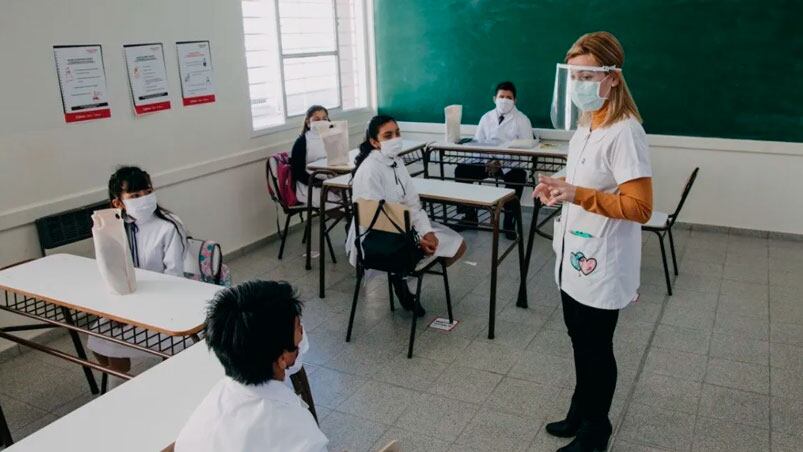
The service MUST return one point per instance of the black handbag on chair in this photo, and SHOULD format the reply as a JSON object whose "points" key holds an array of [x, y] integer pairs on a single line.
{"points": [[393, 252]]}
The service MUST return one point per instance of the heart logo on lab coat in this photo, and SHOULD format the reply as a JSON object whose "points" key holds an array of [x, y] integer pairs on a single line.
{"points": [[583, 264]]}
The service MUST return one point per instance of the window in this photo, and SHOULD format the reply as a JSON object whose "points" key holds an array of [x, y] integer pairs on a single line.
{"points": [[304, 52]]}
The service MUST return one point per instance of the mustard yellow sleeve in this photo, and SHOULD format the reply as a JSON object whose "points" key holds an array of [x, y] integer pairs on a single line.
{"points": [[633, 201]]}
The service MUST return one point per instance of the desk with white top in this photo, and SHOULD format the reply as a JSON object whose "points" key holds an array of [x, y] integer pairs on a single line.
{"points": [[163, 316], [493, 199], [412, 152]]}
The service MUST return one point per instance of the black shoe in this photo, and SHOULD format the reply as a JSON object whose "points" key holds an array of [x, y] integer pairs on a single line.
{"points": [[590, 439], [563, 429], [420, 311], [509, 227]]}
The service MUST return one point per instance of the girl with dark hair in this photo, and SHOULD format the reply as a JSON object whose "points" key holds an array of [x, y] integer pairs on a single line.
{"points": [[309, 148], [380, 174], [157, 241]]}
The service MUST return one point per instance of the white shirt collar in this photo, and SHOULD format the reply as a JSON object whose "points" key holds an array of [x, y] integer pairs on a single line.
{"points": [[272, 390]]}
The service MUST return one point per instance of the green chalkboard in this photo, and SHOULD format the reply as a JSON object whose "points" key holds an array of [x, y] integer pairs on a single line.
{"points": [[731, 69]]}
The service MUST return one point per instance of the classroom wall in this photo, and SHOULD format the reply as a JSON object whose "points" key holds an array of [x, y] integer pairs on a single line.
{"points": [[743, 184], [207, 166]]}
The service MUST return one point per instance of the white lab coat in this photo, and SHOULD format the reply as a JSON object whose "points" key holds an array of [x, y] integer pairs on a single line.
{"points": [[243, 418], [160, 248], [515, 126], [598, 259], [315, 151], [378, 179]]}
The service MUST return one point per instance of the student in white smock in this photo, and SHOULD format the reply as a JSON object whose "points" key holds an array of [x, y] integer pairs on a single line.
{"points": [[255, 331], [605, 196], [309, 148], [381, 175], [157, 242]]}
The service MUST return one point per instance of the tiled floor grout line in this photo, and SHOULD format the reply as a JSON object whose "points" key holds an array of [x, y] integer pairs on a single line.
{"points": [[769, 351], [641, 365]]}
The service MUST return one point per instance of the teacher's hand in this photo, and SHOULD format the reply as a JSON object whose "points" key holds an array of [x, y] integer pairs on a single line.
{"points": [[552, 191]]}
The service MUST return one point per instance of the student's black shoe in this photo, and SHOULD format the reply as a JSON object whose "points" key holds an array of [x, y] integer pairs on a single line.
{"points": [[568, 427], [563, 429], [590, 439], [420, 311]]}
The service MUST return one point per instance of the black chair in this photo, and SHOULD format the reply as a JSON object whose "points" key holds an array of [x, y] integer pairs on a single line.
{"points": [[661, 224], [424, 267], [289, 210], [61, 229]]}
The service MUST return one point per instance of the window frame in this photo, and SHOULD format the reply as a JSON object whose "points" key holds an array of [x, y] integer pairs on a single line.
{"points": [[294, 121]]}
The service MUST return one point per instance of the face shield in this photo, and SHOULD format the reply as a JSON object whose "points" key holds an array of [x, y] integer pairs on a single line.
{"points": [[577, 90]]}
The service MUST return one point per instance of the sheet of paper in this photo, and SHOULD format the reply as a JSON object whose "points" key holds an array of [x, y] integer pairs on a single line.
{"points": [[82, 82], [147, 77], [195, 70], [443, 324]]}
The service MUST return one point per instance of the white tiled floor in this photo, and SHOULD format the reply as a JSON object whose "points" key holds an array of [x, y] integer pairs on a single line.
{"points": [[717, 366]]}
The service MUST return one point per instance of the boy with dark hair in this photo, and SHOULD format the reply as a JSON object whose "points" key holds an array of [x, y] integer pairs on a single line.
{"points": [[498, 127], [255, 331]]}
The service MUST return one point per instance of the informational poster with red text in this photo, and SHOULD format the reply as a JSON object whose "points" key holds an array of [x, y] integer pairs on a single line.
{"points": [[147, 76], [195, 70], [82, 81]]}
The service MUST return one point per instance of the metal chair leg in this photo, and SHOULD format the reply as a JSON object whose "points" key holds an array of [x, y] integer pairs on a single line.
{"points": [[79, 350], [415, 317], [672, 248], [448, 292], [354, 305], [307, 228], [104, 383], [5, 434], [666, 267], [283, 235], [390, 293], [331, 249]]}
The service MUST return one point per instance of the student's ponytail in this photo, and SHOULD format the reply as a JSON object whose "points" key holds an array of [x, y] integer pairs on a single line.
{"points": [[372, 132]]}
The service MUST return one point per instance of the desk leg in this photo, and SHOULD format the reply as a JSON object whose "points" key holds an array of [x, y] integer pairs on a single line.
{"points": [[494, 268], [531, 234], [5, 433], [522, 301], [79, 350], [308, 227], [321, 244]]}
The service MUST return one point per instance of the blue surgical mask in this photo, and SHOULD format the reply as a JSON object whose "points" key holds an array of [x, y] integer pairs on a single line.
{"points": [[585, 95]]}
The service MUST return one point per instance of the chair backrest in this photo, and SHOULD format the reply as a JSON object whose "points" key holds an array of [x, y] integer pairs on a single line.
{"points": [[674, 216], [67, 227], [387, 239], [394, 212]]}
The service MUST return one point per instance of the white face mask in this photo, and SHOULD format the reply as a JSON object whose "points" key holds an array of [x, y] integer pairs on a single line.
{"points": [[504, 106], [585, 95], [141, 208], [391, 148]]}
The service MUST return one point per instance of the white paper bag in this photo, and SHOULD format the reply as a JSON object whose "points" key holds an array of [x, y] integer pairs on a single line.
{"points": [[335, 136], [454, 114], [112, 252]]}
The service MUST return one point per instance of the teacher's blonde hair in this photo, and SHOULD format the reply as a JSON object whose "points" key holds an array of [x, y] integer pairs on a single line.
{"points": [[608, 51]]}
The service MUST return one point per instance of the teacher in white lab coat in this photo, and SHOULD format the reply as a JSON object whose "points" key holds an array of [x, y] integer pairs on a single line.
{"points": [[605, 196], [380, 174]]}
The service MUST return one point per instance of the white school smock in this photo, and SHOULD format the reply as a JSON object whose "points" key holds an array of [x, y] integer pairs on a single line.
{"points": [[315, 151], [238, 417], [160, 248], [515, 126], [600, 257], [378, 179]]}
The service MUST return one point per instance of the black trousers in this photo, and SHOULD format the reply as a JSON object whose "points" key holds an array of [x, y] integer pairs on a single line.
{"points": [[514, 179], [591, 330]]}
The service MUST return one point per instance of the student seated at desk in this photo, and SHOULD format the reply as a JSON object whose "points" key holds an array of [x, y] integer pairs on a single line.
{"points": [[157, 241], [380, 174], [255, 331], [307, 149], [498, 127]]}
